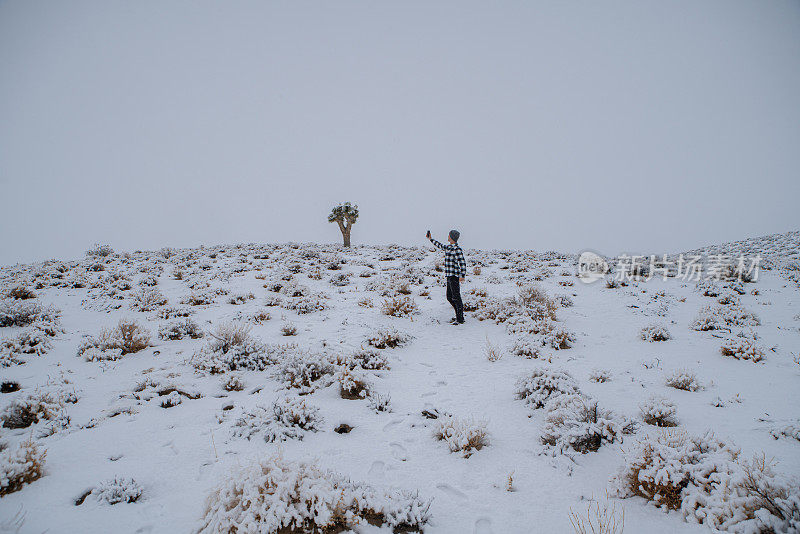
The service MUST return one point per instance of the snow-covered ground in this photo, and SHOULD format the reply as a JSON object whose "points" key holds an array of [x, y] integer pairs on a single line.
{"points": [[162, 417]]}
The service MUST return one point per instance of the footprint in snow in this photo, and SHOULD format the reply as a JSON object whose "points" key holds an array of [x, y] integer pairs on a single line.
{"points": [[377, 470], [483, 526], [399, 452], [450, 490], [171, 446], [391, 424]]}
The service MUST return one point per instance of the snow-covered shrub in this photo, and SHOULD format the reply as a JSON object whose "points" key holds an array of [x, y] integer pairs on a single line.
{"points": [[305, 371], [179, 329], [21, 466], [100, 250], [198, 299], [563, 301], [791, 430], [369, 359], [231, 348], [293, 415], [742, 348], [708, 288], [259, 316], [658, 411], [474, 299], [655, 332], [720, 317], [287, 418], [525, 347], [41, 405], [130, 336], [365, 302], [463, 436], [117, 490], [233, 383], [272, 300], [387, 338], [288, 329], [305, 305], [728, 299], [612, 283], [275, 495], [171, 399], [600, 375], [14, 313], [341, 279], [536, 302], [228, 335], [558, 338], [707, 319], [148, 299], [19, 292], [30, 341], [771, 501], [660, 469], [379, 402], [738, 316], [127, 336], [293, 289], [352, 384], [96, 354], [684, 379], [399, 307], [573, 423], [240, 298], [703, 478], [151, 388], [173, 312], [537, 388], [494, 279]]}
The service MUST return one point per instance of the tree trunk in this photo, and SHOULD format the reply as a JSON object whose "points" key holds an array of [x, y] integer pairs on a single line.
{"points": [[345, 232]]}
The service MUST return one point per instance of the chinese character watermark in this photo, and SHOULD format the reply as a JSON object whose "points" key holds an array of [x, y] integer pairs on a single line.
{"points": [[685, 267]]}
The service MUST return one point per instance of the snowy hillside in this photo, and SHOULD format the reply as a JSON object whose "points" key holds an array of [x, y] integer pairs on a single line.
{"points": [[275, 388]]}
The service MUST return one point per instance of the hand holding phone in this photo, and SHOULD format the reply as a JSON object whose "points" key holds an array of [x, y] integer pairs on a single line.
{"points": [[428, 235]]}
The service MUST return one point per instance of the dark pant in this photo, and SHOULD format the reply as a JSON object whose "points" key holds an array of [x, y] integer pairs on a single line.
{"points": [[454, 297]]}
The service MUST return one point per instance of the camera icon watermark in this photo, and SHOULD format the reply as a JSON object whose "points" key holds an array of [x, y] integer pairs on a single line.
{"points": [[592, 267]]}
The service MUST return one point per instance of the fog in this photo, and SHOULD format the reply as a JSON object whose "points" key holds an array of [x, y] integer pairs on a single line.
{"points": [[616, 126]]}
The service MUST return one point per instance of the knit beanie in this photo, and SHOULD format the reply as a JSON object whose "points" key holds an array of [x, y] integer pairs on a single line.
{"points": [[454, 235]]}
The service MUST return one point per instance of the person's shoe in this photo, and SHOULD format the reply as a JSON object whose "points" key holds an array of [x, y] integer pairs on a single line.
{"points": [[453, 320], [460, 322]]}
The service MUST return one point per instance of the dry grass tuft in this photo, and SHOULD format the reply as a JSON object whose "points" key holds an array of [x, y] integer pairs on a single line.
{"points": [[600, 518], [493, 353], [399, 307]]}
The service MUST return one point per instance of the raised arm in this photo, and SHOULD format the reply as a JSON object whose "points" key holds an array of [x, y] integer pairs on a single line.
{"points": [[435, 243]]}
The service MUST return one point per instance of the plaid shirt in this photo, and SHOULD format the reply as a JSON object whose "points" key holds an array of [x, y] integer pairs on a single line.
{"points": [[454, 264]]}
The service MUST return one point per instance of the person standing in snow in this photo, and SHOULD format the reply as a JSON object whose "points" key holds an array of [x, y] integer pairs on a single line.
{"points": [[455, 269]]}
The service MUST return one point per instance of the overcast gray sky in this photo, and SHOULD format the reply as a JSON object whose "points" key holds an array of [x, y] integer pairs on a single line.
{"points": [[617, 126]]}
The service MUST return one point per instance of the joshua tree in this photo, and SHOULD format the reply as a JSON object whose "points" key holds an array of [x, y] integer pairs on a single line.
{"points": [[345, 215]]}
